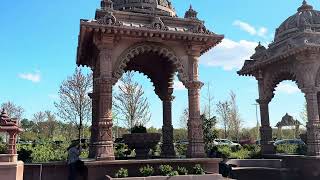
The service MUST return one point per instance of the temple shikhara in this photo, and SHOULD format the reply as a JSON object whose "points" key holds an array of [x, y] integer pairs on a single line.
{"points": [[144, 36]]}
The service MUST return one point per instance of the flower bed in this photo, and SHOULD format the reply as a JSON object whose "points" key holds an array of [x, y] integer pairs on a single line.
{"points": [[184, 177], [164, 172]]}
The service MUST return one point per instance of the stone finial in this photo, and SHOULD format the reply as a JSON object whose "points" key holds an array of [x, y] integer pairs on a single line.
{"points": [[260, 48], [4, 114], [260, 51], [305, 7], [191, 13], [106, 4]]}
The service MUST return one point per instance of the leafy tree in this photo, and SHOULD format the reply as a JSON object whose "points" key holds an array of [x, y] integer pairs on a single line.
{"points": [[13, 110], [209, 131], [75, 105], [130, 103]]}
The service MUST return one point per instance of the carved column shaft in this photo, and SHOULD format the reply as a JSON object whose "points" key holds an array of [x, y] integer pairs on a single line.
{"points": [[102, 107], [167, 129], [265, 129], [12, 143], [195, 131], [313, 125]]}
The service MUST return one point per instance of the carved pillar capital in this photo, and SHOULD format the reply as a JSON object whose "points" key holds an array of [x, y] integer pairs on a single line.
{"points": [[194, 85]]}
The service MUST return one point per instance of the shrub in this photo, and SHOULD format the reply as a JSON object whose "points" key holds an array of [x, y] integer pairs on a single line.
{"points": [[181, 149], [291, 149], [197, 169], [240, 154], [122, 173], [165, 170], [3, 148], [182, 171], [225, 151], [146, 171], [138, 129], [173, 173]]}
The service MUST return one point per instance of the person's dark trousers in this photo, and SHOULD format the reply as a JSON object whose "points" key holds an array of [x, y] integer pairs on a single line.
{"points": [[72, 168]]}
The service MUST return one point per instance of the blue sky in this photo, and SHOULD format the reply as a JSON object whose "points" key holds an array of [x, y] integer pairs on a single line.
{"points": [[38, 41]]}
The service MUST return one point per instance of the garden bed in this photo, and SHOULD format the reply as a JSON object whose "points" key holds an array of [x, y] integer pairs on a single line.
{"points": [[185, 177]]}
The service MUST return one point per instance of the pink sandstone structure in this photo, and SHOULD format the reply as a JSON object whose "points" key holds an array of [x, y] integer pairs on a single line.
{"points": [[10, 168], [144, 36], [293, 55]]}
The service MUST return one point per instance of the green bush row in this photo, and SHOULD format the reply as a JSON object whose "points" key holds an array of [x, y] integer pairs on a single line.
{"points": [[245, 152], [45, 152], [164, 170]]}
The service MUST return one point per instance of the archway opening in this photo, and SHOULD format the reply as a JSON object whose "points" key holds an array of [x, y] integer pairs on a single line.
{"points": [[156, 74], [287, 117]]}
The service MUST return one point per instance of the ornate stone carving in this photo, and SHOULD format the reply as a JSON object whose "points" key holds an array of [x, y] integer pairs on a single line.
{"points": [[108, 19], [157, 24], [138, 49], [191, 14]]}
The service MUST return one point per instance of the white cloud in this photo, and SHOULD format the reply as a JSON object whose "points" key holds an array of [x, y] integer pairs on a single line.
{"points": [[261, 31], [34, 77], [245, 27], [229, 54], [178, 86], [287, 88]]}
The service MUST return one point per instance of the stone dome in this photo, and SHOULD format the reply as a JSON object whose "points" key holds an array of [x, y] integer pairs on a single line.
{"points": [[159, 7], [306, 18]]}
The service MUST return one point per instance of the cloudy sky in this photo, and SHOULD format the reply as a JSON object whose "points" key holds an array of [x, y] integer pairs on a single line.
{"points": [[38, 41]]}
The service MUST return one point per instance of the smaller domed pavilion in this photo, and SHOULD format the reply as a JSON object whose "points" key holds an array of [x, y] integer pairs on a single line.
{"points": [[286, 121], [293, 55]]}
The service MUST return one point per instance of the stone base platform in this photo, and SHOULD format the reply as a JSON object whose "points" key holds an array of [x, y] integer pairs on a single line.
{"points": [[11, 170]]}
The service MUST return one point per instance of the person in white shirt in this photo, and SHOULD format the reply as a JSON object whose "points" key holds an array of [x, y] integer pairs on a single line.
{"points": [[74, 152]]}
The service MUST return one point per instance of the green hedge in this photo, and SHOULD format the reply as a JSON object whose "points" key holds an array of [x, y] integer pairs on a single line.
{"points": [[46, 152], [245, 152], [291, 149]]}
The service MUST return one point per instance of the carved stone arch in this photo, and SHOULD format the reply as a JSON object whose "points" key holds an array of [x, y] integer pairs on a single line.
{"points": [[141, 48], [277, 77]]}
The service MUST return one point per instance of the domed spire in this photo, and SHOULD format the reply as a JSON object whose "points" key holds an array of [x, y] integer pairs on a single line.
{"points": [[305, 7], [191, 13]]}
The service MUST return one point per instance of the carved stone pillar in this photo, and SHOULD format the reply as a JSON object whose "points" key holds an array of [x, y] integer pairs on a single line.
{"points": [[102, 139], [12, 143], [195, 131], [313, 125], [167, 149], [265, 129]]}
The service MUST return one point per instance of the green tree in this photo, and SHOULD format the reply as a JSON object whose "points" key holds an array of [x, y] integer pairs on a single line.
{"points": [[209, 131]]}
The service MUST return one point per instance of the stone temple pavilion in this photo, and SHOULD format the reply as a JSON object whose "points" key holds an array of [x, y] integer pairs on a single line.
{"points": [[144, 36], [293, 55]]}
